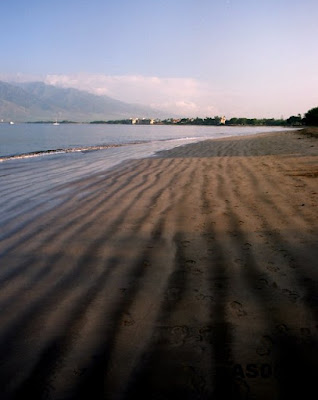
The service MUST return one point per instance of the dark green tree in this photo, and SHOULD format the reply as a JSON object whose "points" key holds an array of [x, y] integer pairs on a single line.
{"points": [[293, 120], [311, 117]]}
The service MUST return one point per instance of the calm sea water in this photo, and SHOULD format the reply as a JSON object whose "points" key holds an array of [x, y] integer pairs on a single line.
{"points": [[35, 140]]}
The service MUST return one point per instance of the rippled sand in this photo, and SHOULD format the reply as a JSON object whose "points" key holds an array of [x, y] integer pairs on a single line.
{"points": [[191, 275]]}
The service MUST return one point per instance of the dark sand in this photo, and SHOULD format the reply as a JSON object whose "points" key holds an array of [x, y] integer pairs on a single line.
{"points": [[192, 275]]}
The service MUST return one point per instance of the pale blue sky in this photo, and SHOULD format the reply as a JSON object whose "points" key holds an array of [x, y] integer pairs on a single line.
{"points": [[196, 57]]}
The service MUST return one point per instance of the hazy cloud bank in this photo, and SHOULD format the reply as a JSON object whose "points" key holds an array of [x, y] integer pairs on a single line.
{"points": [[184, 96], [188, 96]]}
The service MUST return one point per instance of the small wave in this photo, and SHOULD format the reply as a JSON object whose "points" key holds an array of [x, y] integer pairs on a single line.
{"points": [[85, 149], [185, 138]]}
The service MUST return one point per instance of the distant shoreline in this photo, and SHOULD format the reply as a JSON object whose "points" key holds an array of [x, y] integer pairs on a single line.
{"points": [[158, 123]]}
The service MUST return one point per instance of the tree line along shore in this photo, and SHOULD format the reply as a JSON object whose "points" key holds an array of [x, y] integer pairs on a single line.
{"points": [[309, 119]]}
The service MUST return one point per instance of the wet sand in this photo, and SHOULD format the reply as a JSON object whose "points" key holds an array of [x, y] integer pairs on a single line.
{"points": [[191, 275]]}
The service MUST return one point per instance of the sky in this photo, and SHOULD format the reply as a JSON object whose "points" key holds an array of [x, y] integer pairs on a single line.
{"points": [[244, 58]]}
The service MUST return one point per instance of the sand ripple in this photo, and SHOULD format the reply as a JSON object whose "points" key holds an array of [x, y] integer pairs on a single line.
{"points": [[189, 275]]}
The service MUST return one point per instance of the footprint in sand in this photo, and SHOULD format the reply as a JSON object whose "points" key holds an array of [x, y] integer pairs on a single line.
{"points": [[174, 336], [178, 335], [247, 246], [282, 329], [80, 372], [272, 268], [265, 346], [237, 308], [209, 237], [173, 294], [146, 263], [190, 262], [127, 320], [196, 271], [206, 334], [261, 283], [291, 294], [203, 296]]}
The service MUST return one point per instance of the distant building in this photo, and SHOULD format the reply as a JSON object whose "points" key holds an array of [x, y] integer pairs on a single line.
{"points": [[142, 121], [222, 120]]}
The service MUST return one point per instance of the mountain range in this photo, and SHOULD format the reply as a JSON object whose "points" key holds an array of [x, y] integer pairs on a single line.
{"points": [[37, 101]]}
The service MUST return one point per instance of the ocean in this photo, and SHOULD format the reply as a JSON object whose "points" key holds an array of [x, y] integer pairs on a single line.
{"points": [[24, 141]]}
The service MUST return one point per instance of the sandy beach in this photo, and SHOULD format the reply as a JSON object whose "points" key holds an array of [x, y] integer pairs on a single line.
{"points": [[189, 275]]}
